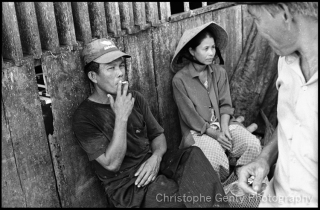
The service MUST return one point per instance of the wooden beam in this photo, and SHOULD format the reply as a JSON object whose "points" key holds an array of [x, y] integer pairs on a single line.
{"points": [[127, 18], [113, 18], [65, 24], [11, 44], [98, 22], [81, 21], [139, 13], [47, 26], [28, 28]]}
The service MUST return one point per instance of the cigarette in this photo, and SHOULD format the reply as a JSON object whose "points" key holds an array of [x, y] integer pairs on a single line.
{"points": [[250, 180], [124, 82]]}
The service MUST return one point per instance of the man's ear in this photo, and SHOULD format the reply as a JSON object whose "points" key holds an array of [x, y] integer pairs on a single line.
{"points": [[92, 76], [191, 51]]}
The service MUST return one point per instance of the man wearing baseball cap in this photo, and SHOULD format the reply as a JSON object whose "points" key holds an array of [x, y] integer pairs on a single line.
{"points": [[292, 31], [127, 147]]}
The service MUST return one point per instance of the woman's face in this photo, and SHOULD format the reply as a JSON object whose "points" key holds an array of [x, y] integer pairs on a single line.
{"points": [[204, 52]]}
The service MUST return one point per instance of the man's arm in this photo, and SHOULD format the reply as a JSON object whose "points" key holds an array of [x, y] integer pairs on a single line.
{"points": [[148, 171], [116, 150], [260, 167]]}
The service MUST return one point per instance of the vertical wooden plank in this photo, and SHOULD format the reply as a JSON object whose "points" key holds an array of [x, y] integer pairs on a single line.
{"points": [[68, 87], [98, 22], [47, 26], [139, 13], [186, 6], [165, 11], [11, 44], [12, 194], [140, 70], [164, 45], [28, 27], [81, 21], [230, 20], [113, 18], [30, 145], [126, 17], [152, 14], [65, 25]]}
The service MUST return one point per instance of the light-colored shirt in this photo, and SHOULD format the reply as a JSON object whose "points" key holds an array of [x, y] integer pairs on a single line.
{"points": [[295, 181], [196, 103]]}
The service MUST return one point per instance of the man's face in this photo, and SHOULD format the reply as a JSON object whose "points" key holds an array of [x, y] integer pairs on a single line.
{"points": [[277, 29], [110, 74]]}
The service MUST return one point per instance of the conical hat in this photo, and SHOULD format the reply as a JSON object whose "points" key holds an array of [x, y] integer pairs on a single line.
{"points": [[219, 34]]}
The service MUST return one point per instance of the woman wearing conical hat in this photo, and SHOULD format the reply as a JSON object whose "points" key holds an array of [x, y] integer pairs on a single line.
{"points": [[201, 92]]}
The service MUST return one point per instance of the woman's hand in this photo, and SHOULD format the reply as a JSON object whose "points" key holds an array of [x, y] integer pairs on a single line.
{"points": [[221, 138], [226, 132]]}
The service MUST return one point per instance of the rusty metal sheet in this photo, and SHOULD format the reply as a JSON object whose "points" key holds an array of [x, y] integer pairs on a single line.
{"points": [[67, 85], [140, 68], [29, 141], [12, 194], [28, 28], [11, 44]]}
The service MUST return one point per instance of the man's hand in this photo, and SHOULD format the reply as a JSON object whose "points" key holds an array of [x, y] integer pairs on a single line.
{"points": [[259, 168], [123, 104], [148, 171]]}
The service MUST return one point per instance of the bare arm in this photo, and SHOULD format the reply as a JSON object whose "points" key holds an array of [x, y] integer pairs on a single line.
{"points": [[116, 150], [148, 171]]}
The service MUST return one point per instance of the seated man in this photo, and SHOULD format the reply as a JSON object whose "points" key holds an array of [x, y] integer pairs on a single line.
{"points": [[127, 147]]}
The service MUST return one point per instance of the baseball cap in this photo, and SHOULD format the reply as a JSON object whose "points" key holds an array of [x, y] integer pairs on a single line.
{"points": [[101, 51]]}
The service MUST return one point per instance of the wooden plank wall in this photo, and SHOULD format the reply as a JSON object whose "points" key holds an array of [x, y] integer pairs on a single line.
{"points": [[53, 171]]}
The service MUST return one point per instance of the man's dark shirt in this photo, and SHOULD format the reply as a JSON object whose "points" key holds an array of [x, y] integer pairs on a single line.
{"points": [[93, 125]]}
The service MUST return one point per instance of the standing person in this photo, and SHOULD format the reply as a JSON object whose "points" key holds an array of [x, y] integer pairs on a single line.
{"points": [[292, 31], [127, 147], [201, 92]]}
